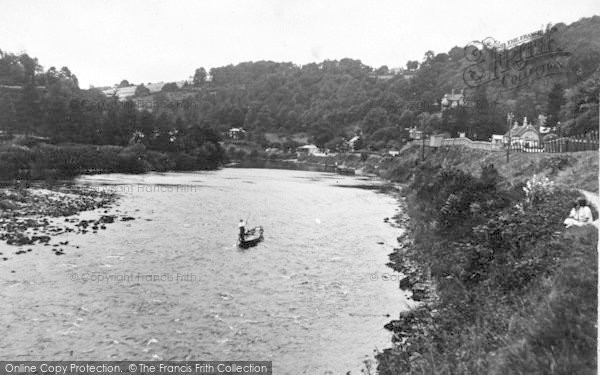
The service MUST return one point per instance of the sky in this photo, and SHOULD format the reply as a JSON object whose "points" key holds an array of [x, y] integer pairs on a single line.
{"points": [[106, 41]]}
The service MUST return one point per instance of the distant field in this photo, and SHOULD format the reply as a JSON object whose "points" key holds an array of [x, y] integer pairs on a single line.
{"points": [[301, 138], [125, 92]]}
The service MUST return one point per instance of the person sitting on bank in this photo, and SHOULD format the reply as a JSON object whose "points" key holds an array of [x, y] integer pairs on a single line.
{"points": [[242, 226], [580, 214]]}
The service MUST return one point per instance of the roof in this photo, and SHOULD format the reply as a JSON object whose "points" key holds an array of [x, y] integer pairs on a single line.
{"points": [[307, 147], [354, 139], [454, 97], [517, 131]]}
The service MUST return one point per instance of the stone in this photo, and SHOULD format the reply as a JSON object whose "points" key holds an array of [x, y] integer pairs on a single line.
{"points": [[6, 204]]}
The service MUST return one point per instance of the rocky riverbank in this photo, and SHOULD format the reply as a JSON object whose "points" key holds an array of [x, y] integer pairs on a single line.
{"points": [[34, 215], [413, 325], [479, 255]]}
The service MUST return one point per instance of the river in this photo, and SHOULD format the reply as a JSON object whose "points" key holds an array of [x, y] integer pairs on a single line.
{"points": [[173, 285]]}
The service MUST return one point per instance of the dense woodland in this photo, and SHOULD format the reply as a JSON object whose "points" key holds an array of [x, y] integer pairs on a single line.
{"points": [[327, 101]]}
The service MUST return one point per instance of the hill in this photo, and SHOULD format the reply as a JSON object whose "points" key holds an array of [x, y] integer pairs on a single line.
{"points": [[328, 101], [331, 100]]}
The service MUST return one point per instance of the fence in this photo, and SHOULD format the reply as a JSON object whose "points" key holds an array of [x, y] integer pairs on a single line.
{"points": [[585, 142], [466, 142]]}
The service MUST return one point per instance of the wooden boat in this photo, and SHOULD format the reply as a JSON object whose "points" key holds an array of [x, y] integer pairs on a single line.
{"points": [[252, 238]]}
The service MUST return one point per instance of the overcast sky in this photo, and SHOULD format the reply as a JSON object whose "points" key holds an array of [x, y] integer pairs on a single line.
{"points": [[105, 41]]}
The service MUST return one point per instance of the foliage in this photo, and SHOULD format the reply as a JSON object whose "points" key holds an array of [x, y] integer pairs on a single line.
{"points": [[141, 90], [199, 76], [46, 161], [170, 87], [516, 291], [538, 189]]}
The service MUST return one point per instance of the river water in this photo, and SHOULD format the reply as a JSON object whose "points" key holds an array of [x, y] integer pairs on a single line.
{"points": [[173, 285]]}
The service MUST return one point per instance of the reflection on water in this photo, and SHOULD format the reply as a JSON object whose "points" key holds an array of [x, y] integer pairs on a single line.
{"points": [[173, 285]]}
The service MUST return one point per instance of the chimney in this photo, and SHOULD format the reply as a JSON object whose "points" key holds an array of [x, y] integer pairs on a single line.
{"points": [[452, 92]]}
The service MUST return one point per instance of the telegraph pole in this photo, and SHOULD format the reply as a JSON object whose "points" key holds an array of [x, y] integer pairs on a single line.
{"points": [[423, 146]]}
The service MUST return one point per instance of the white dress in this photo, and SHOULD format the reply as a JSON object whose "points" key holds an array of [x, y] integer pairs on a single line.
{"points": [[579, 217]]}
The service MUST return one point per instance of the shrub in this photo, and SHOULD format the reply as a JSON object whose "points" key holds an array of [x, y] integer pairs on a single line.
{"points": [[14, 162], [185, 162], [129, 162], [537, 189]]}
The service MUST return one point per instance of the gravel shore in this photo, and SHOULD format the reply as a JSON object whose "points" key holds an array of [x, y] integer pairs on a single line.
{"points": [[34, 215]]}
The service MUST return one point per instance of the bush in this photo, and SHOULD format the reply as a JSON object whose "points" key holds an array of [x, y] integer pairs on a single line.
{"points": [[14, 162], [517, 294], [129, 162], [185, 162]]}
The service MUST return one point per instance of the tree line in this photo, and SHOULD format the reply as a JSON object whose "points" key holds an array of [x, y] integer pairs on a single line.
{"points": [[329, 101]]}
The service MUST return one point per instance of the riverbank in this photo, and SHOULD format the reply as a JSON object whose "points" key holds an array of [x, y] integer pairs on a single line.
{"points": [[504, 287], [576, 170], [48, 162], [488, 256]]}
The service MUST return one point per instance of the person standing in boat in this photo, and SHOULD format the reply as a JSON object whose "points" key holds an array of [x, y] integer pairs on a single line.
{"points": [[242, 226]]}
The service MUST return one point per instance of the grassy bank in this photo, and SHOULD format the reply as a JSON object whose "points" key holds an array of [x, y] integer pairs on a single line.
{"points": [[49, 162], [505, 288], [514, 292], [574, 170]]}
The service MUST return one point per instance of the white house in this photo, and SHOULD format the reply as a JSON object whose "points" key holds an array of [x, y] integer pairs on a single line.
{"points": [[497, 139], [307, 150], [352, 142], [453, 100], [236, 133], [525, 134]]}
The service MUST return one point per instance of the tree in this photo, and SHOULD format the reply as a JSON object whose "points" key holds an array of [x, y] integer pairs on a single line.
{"points": [[555, 101], [412, 65], [376, 118], [170, 87], [323, 138], [141, 90], [199, 76], [428, 57], [383, 70], [124, 83], [407, 119], [456, 53]]}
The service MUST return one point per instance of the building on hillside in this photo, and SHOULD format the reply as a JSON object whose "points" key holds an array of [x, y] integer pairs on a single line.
{"points": [[307, 150], [414, 133], [352, 143], [525, 134], [497, 139], [453, 100], [236, 133]]}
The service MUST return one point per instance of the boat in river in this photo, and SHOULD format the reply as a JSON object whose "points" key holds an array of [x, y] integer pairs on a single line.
{"points": [[252, 238]]}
